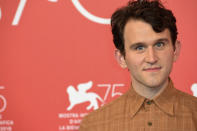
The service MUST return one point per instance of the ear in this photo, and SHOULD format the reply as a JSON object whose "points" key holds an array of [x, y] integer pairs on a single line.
{"points": [[120, 59], [177, 50]]}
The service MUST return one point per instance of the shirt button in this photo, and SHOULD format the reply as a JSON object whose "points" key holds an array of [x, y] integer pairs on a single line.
{"points": [[150, 123], [148, 102]]}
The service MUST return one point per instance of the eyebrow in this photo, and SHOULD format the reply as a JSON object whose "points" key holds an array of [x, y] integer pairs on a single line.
{"points": [[134, 45], [162, 39], [137, 44]]}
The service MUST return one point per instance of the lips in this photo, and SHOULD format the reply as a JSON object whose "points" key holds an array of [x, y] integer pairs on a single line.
{"points": [[152, 69]]}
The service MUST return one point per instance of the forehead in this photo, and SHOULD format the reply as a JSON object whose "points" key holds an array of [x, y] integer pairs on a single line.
{"points": [[140, 31]]}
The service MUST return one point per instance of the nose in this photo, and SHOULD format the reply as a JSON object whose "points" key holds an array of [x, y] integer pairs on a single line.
{"points": [[151, 57]]}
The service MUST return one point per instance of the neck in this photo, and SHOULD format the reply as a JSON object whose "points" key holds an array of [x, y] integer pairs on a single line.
{"points": [[149, 92]]}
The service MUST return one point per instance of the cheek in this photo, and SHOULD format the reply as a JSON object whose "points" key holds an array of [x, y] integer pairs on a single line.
{"points": [[133, 62], [167, 58]]}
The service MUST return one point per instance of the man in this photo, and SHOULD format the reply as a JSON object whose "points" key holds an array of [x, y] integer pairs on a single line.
{"points": [[145, 35]]}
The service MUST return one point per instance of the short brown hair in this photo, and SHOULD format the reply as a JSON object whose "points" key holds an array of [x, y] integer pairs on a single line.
{"points": [[152, 12]]}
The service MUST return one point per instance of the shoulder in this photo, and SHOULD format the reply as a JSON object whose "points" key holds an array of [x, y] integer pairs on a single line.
{"points": [[186, 100], [106, 112]]}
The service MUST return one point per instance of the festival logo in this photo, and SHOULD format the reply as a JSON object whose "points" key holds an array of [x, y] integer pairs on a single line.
{"points": [[79, 95], [194, 89], [86, 13], [52, 0], [3, 101], [18, 13], [5, 125], [76, 4]]}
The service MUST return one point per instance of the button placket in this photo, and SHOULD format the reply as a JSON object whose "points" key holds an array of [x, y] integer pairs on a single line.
{"points": [[147, 105]]}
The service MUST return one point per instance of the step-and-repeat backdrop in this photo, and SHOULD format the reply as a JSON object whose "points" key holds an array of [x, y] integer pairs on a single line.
{"points": [[57, 60]]}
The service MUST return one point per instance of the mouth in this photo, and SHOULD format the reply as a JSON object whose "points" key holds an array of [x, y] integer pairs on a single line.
{"points": [[152, 69]]}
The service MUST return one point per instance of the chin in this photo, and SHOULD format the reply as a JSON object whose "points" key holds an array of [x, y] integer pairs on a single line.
{"points": [[155, 83]]}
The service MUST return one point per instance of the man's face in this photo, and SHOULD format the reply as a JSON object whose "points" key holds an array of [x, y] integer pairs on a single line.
{"points": [[149, 56]]}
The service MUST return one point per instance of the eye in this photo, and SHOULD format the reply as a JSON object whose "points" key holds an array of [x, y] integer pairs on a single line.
{"points": [[159, 45], [139, 48]]}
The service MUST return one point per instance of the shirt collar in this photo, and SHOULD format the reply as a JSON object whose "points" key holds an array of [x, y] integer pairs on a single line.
{"points": [[135, 101], [165, 101]]}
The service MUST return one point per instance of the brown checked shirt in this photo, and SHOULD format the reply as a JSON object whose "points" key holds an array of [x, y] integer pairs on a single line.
{"points": [[172, 110]]}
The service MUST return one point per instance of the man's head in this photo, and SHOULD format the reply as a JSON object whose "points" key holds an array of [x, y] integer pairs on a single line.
{"points": [[145, 36], [151, 12]]}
